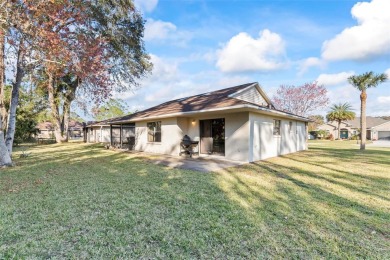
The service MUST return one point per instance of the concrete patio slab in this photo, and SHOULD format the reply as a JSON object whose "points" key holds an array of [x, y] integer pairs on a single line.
{"points": [[197, 163]]}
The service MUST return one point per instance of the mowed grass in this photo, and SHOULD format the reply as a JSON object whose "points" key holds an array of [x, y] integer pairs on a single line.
{"points": [[82, 201]]}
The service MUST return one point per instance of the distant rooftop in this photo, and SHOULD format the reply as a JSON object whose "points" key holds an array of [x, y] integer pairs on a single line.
{"points": [[371, 122]]}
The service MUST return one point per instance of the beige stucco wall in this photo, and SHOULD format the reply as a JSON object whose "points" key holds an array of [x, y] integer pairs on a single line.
{"points": [[236, 133], [334, 130], [173, 130], [248, 136], [171, 135], [331, 129], [263, 144]]}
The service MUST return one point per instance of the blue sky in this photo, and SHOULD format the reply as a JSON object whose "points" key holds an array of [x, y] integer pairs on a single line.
{"points": [[198, 46]]}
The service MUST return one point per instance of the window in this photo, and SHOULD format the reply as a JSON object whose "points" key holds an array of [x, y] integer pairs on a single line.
{"points": [[290, 124], [154, 131], [276, 127]]}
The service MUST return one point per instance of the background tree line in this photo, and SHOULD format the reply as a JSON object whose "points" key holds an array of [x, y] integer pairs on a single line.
{"points": [[308, 98], [66, 51]]}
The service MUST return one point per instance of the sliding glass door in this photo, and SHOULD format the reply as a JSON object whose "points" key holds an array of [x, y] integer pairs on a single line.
{"points": [[212, 136]]}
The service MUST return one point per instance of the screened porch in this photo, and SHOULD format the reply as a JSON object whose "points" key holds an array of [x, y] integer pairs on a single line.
{"points": [[122, 135]]}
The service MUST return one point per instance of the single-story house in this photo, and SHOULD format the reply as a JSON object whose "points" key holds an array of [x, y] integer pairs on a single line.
{"points": [[46, 130], [377, 128], [238, 123], [332, 128]]}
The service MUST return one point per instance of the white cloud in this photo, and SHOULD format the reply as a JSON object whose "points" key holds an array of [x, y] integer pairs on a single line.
{"points": [[158, 29], [169, 82], [345, 93], [244, 53], [384, 99], [146, 5], [334, 79], [310, 62], [162, 69], [367, 40], [388, 72]]}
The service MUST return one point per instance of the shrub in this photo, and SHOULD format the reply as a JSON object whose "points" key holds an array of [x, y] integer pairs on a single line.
{"points": [[330, 137], [355, 137]]}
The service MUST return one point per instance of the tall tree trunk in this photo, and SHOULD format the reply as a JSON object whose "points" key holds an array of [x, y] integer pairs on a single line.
{"points": [[54, 109], [66, 116], [9, 140], [363, 123], [339, 134], [3, 111], [5, 158], [69, 97]]}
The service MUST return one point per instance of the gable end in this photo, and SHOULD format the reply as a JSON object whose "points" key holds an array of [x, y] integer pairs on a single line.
{"points": [[252, 95]]}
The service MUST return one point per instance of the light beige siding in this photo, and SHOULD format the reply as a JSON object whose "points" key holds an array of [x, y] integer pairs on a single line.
{"points": [[252, 95]]}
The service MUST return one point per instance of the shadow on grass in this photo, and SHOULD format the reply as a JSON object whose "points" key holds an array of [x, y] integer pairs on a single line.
{"points": [[372, 155], [303, 211], [113, 205]]}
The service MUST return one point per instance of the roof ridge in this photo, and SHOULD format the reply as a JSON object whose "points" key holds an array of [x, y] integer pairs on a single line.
{"points": [[201, 94]]}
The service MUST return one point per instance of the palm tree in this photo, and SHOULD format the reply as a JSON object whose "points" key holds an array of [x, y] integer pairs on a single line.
{"points": [[340, 112], [362, 83]]}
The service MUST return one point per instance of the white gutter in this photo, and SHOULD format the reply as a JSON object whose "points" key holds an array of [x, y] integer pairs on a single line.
{"points": [[246, 106]]}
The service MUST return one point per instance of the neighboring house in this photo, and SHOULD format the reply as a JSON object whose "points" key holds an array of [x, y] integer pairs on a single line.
{"points": [[377, 128], [46, 130], [239, 123], [75, 129], [346, 131]]}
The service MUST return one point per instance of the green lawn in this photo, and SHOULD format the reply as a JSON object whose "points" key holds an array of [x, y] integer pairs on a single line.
{"points": [[81, 201]]}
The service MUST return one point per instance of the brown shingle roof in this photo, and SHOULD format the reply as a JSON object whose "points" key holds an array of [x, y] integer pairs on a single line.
{"points": [[104, 122], [49, 126], [206, 101], [75, 124], [211, 100], [45, 126], [371, 122]]}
